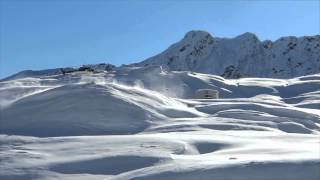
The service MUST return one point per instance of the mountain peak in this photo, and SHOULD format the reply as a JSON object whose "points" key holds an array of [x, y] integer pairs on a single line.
{"points": [[242, 56], [197, 34], [248, 35]]}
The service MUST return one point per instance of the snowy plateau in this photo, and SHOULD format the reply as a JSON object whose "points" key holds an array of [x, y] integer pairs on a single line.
{"points": [[142, 121]]}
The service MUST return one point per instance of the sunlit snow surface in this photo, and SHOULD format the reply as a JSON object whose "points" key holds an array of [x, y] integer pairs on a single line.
{"points": [[143, 123]]}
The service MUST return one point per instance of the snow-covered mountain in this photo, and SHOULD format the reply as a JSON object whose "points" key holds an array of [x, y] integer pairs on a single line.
{"points": [[142, 121], [242, 56], [57, 71]]}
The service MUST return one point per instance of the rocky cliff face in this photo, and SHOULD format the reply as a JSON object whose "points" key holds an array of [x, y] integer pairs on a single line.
{"points": [[242, 56]]}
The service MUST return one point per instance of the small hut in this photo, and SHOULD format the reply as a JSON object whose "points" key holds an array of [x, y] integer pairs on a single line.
{"points": [[207, 94]]}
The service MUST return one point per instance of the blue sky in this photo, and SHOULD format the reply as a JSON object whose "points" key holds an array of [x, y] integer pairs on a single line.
{"points": [[41, 34]]}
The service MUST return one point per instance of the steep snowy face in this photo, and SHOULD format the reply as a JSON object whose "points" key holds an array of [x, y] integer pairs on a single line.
{"points": [[242, 56]]}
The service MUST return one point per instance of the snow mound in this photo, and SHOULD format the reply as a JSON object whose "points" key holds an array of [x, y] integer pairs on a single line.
{"points": [[73, 110]]}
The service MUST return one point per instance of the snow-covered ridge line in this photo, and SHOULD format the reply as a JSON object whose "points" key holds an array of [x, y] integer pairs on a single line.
{"points": [[242, 56], [96, 68]]}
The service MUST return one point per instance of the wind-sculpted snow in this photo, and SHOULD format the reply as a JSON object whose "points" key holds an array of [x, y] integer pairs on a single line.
{"points": [[144, 123]]}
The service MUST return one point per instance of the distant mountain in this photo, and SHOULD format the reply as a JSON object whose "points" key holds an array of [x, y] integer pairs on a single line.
{"points": [[242, 56], [57, 71]]}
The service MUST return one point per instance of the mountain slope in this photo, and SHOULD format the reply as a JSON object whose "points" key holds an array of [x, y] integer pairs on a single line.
{"points": [[242, 56]]}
